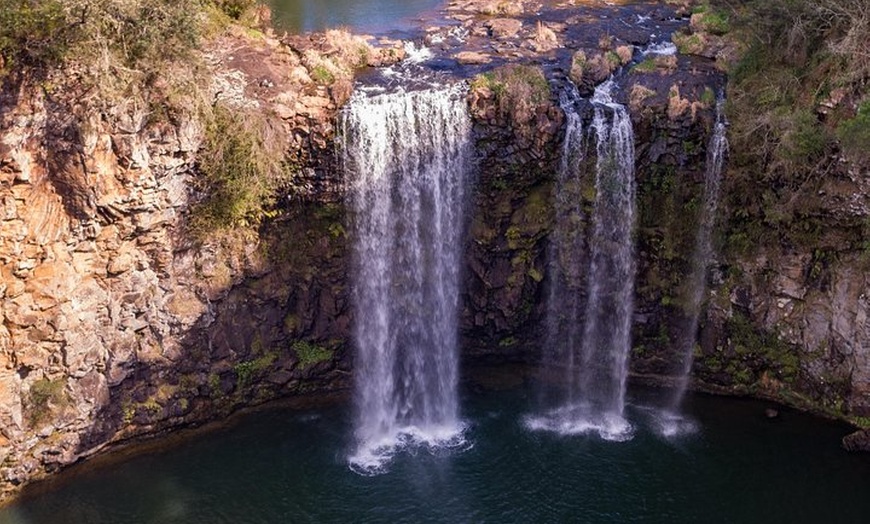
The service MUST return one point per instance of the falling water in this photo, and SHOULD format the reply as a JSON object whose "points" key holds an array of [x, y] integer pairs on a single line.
{"points": [[566, 270], [407, 157], [673, 423], [598, 367]]}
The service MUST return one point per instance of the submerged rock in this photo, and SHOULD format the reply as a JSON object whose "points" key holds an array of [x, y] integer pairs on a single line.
{"points": [[472, 58], [857, 441]]}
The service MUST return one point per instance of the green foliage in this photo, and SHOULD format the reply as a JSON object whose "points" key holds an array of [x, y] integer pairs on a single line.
{"points": [[151, 406], [854, 133], [250, 368], [647, 66], [819, 274], [234, 8], [128, 412], [143, 33], [513, 236], [336, 230], [310, 354], [34, 33], [708, 97], [758, 350], [803, 140], [214, 385], [715, 22], [688, 44], [240, 171], [322, 75], [108, 39], [43, 396], [798, 52]]}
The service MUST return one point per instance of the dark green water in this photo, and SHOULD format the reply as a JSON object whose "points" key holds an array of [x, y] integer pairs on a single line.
{"points": [[286, 466], [297, 16]]}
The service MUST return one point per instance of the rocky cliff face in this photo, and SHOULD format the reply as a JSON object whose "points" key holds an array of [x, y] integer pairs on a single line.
{"points": [[117, 324], [788, 314], [115, 321], [92, 287], [787, 311]]}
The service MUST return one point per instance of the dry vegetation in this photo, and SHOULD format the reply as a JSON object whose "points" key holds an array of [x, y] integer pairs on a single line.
{"points": [[518, 91], [107, 54], [802, 53], [798, 99], [344, 53]]}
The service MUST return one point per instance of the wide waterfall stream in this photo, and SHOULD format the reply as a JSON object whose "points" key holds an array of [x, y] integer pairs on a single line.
{"points": [[408, 159]]}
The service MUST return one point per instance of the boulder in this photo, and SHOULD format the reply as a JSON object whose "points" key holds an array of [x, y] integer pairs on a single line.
{"points": [[857, 441], [472, 58], [504, 28]]}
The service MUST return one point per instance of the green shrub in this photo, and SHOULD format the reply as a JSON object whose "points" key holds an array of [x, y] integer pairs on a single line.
{"points": [[240, 171], [688, 44], [854, 133], [248, 369], [310, 354], [803, 139], [34, 33], [715, 22], [647, 66], [759, 350], [234, 8], [797, 53], [322, 75], [43, 396], [214, 385], [129, 34], [708, 97]]}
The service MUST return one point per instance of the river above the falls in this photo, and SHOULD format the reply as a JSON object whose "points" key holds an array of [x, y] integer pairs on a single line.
{"points": [[282, 465], [300, 16]]}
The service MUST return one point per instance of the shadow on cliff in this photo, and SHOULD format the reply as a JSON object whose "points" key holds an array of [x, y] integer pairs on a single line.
{"points": [[278, 331]]}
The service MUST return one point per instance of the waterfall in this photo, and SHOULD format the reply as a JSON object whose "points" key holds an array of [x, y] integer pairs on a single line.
{"points": [[407, 156], [566, 272], [717, 149], [597, 363]]}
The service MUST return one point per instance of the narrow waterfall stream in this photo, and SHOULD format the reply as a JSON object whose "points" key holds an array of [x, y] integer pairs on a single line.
{"points": [[673, 422], [597, 361], [566, 269], [407, 156]]}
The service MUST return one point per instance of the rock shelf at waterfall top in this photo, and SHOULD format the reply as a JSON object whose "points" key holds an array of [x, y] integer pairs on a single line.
{"points": [[468, 36]]}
